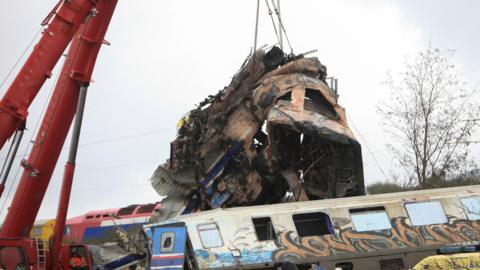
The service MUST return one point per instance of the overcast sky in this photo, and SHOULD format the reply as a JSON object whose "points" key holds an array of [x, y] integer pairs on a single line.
{"points": [[167, 56]]}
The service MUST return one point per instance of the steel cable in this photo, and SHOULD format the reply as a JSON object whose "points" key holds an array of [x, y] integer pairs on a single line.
{"points": [[21, 57]]}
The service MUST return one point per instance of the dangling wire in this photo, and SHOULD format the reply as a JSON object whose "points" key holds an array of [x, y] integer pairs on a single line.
{"points": [[273, 21], [45, 106], [21, 57], [282, 28]]}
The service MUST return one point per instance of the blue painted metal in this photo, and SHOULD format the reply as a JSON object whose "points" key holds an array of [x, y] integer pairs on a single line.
{"points": [[218, 168], [226, 259], [123, 261], [219, 198], [173, 259], [100, 234]]}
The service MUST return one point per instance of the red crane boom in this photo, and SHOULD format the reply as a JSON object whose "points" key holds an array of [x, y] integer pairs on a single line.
{"points": [[89, 19], [63, 22], [38, 168]]}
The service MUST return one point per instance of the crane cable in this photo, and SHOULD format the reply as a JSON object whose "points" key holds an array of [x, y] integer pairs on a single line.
{"points": [[34, 132], [273, 21], [10, 189], [56, 105], [368, 147], [282, 28], [270, 13], [278, 33], [21, 57], [256, 27]]}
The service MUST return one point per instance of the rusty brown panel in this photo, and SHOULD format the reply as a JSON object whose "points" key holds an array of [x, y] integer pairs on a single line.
{"points": [[223, 154]]}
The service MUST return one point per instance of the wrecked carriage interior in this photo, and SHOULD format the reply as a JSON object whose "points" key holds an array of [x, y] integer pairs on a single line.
{"points": [[275, 134]]}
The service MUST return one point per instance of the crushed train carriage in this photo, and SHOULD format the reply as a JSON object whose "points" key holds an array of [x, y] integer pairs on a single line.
{"points": [[390, 231], [276, 130]]}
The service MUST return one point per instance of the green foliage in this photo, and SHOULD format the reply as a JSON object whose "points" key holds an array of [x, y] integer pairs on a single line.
{"points": [[467, 179], [460, 180], [380, 188]]}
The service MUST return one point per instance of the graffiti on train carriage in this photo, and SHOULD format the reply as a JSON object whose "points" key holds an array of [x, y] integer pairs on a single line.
{"points": [[400, 229], [289, 247], [402, 235]]}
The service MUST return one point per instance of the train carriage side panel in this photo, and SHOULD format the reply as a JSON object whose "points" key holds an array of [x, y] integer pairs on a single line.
{"points": [[393, 231]]}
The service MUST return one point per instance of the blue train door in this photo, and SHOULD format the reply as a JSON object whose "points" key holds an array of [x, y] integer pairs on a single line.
{"points": [[168, 248]]}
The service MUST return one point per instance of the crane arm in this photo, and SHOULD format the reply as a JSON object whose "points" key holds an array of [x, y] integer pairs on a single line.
{"points": [[64, 21], [38, 168]]}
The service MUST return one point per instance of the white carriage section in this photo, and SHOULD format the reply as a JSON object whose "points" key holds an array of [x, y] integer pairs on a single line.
{"points": [[247, 227]]}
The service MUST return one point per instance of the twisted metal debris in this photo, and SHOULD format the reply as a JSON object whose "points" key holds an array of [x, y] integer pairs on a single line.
{"points": [[275, 134]]}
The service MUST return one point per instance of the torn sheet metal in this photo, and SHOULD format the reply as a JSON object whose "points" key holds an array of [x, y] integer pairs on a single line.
{"points": [[275, 134]]}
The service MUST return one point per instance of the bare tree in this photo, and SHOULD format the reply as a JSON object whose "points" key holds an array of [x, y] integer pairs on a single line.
{"points": [[430, 117]]}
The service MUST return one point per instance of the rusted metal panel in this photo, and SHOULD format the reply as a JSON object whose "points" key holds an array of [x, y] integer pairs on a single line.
{"points": [[272, 118]]}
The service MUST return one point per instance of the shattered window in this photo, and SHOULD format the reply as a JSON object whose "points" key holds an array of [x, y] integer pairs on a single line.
{"points": [[167, 242], [426, 213], [264, 228], [316, 102], [209, 235], [472, 207], [370, 219], [312, 224]]}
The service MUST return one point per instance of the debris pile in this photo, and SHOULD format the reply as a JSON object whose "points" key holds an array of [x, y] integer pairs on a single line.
{"points": [[275, 134]]}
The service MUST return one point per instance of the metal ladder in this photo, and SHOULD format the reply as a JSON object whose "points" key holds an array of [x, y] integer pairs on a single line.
{"points": [[41, 254]]}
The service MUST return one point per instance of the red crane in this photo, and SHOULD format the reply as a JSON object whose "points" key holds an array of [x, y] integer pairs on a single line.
{"points": [[84, 24]]}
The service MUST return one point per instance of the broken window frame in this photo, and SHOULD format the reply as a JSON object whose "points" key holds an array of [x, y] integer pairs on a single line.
{"points": [[316, 97], [471, 206], [213, 227], [328, 223], [269, 225], [369, 211], [164, 237]]}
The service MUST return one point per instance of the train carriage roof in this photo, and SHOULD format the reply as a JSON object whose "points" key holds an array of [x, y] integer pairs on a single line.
{"points": [[349, 202]]}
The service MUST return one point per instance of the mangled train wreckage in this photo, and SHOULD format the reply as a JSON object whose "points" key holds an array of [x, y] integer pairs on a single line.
{"points": [[275, 134]]}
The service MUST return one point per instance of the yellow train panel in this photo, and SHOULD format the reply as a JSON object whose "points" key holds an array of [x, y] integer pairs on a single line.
{"points": [[456, 261], [43, 229]]}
